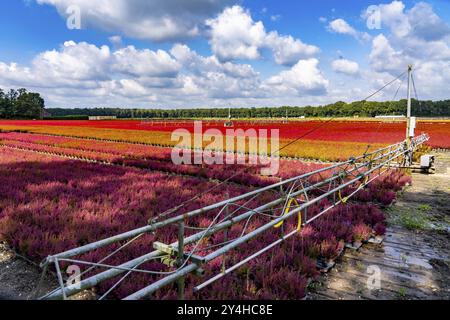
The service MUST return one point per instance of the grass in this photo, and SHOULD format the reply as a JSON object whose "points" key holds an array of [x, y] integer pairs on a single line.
{"points": [[411, 219], [401, 293], [360, 266], [419, 218], [424, 208]]}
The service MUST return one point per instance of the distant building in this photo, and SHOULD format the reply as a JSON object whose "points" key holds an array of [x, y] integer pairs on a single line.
{"points": [[390, 117], [96, 118]]}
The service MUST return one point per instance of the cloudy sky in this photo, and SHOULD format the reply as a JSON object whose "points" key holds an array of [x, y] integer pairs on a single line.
{"points": [[203, 53]]}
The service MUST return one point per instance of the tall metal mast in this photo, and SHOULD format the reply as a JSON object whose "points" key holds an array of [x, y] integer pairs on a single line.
{"points": [[409, 124], [409, 121]]}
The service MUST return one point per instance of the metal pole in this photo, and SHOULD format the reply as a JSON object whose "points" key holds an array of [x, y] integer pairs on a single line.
{"points": [[408, 118], [94, 280], [243, 262], [60, 279], [155, 226], [271, 224], [192, 267], [221, 226], [180, 281]]}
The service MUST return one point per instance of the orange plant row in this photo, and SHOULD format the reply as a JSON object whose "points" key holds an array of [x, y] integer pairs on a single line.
{"points": [[308, 149]]}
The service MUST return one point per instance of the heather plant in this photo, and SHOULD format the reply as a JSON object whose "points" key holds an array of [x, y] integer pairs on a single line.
{"points": [[361, 233], [152, 158], [285, 285], [307, 266], [380, 229], [49, 205], [330, 248]]}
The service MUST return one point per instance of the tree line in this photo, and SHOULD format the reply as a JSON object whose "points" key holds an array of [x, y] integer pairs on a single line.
{"points": [[21, 104], [338, 109]]}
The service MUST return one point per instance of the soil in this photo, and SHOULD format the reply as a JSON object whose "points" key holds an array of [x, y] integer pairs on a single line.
{"points": [[19, 277]]}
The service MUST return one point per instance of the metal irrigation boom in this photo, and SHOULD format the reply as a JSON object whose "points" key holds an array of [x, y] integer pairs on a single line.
{"points": [[182, 256]]}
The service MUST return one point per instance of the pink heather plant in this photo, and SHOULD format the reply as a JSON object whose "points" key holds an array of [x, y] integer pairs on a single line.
{"points": [[49, 204]]}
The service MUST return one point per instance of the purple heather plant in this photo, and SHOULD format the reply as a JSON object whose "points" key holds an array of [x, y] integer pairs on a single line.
{"points": [[49, 205], [361, 232]]}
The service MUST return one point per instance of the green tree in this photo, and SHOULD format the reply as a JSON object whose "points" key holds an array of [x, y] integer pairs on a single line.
{"points": [[20, 104]]}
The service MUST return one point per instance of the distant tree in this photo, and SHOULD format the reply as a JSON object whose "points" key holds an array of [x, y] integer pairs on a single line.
{"points": [[20, 104]]}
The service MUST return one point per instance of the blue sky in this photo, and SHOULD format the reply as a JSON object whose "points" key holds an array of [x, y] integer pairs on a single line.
{"points": [[220, 53]]}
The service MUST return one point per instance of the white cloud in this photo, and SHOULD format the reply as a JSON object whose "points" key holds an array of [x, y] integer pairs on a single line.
{"points": [[85, 75], [115, 41], [393, 16], [304, 77], [86, 65], [158, 20], [427, 25], [74, 65], [287, 50], [420, 21], [213, 78], [275, 17], [345, 66], [145, 62], [342, 27], [82, 69], [130, 88], [234, 35], [74, 61], [198, 64], [416, 36], [384, 58]]}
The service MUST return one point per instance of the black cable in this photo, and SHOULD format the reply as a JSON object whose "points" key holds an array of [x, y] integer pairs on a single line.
{"points": [[395, 96], [396, 93], [415, 90], [414, 86], [386, 85]]}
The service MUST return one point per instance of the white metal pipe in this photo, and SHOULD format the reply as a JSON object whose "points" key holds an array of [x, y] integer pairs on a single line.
{"points": [[141, 294], [241, 263], [271, 224], [190, 268], [90, 282], [150, 228]]}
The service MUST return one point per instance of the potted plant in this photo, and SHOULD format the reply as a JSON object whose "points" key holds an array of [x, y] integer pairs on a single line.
{"points": [[361, 234], [330, 250], [379, 230]]}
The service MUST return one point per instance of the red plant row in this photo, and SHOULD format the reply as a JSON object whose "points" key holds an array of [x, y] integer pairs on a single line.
{"points": [[152, 158], [367, 131]]}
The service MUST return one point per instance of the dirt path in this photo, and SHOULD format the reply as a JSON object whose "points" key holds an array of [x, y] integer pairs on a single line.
{"points": [[19, 277], [414, 260]]}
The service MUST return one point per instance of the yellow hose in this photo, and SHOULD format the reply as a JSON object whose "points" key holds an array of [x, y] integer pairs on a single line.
{"points": [[345, 199], [287, 210]]}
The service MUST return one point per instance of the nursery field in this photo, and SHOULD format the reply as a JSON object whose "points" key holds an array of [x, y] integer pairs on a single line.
{"points": [[338, 140], [50, 204], [66, 184]]}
